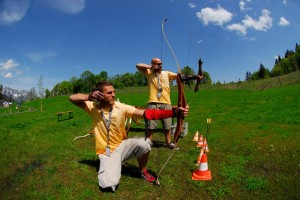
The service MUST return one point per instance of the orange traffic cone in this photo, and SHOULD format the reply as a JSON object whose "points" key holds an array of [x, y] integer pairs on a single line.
{"points": [[202, 173], [196, 137], [199, 157], [200, 141], [205, 145]]}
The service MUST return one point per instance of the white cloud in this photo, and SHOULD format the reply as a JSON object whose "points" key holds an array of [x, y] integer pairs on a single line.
{"points": [[39, 57], [192, 5], [284, 2], [67, 6], [283, 22], [13, 11], [265, 21], [262, 24], [243, 5], [21, 83], [10, 64], [8, 75], [252, 39], [7, 67], [240, 28], [217, 16]]}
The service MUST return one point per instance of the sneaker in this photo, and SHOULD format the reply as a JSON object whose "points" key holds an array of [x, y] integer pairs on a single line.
{"points": [[171, 145], [148, 177]]}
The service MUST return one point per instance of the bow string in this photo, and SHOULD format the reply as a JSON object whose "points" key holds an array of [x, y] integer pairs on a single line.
{"points": [[181, 97]]}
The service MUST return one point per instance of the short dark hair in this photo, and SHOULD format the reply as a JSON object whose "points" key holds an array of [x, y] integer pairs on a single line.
{"points": [[100, 85]]}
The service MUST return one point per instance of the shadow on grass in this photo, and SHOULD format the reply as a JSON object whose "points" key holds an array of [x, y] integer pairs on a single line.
{"points": [[64, 119], [91, 163], [127, 169], [158, 144]]}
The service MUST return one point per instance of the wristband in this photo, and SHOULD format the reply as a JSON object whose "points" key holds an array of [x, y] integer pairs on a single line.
{"points": [[90, 97]]}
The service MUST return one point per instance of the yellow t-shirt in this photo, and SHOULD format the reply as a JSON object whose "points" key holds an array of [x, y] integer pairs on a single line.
{"points": [[117, 131], [164, 80]]}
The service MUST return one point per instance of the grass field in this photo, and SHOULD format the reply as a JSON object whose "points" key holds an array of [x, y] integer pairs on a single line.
{"points": [[254, 145]]}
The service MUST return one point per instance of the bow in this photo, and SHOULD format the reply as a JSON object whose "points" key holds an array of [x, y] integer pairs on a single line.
{"points": [[181, 97]]}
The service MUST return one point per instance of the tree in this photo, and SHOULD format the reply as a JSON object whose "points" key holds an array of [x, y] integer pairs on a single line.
{"points": [[103, 76], [77, 86], [64, 88], [32, 94], [48, 93], [188, 71], [140, 79], [206, 80], [88, 80], [72, 83], [127, 79], [41, 89], [254, 76], [248, 76], [117, 81], [262, 72], [55, 90], [1, 92]]}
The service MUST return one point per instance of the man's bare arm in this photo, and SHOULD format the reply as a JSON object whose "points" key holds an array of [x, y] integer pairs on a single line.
{"points": [[79, 99], [142, 67]]}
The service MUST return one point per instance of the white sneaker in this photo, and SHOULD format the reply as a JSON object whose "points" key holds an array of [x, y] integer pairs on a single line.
{"points": [[172, 146]]}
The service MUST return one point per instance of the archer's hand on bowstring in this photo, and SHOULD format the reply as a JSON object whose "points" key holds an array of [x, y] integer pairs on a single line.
{"points": [[96, 96]]}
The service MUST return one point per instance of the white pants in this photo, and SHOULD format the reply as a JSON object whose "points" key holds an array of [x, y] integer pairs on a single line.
{"points": [[110, 167]]}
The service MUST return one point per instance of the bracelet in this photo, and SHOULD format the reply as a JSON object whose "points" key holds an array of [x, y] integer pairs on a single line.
{"points": [[90, 97]]}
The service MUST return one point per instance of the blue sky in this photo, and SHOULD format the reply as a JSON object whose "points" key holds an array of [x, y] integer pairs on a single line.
{"points": [[59, 39]]}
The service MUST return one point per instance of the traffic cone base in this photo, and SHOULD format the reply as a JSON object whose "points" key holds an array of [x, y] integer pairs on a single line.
{"points": [[202, 173], [201, 176]]}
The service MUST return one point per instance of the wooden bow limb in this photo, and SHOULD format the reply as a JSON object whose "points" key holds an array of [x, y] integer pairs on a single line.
{"points": [[181, 102]]}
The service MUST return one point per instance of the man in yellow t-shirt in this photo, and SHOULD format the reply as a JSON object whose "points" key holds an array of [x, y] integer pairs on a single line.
{"points": [[159, 95], [112, 144]]}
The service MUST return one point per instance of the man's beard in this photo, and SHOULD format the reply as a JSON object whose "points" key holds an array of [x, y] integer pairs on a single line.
{"points": [[157, 70]]}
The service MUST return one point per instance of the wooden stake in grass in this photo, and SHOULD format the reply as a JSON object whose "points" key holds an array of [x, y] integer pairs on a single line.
{"points": [[208, 122]]}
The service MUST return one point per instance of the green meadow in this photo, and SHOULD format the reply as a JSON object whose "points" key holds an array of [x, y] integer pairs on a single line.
{"points": [[253, 140]]}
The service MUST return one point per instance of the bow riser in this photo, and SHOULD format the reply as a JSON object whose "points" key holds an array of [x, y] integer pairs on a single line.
{"points": [[180, 103], [200, 73]]}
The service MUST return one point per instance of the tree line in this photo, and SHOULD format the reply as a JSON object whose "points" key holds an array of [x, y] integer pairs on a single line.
{"points": [[88, 80], [290, 63]]}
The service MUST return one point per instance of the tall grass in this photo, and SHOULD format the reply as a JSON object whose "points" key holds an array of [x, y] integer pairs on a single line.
{"points": [[253, 142]]}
